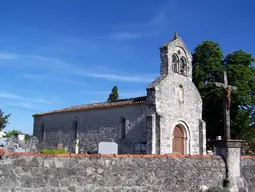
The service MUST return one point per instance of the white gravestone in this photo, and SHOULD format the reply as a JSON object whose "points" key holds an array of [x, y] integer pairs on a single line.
{"points": [[11, 144], [108, 148], [33, 143]]}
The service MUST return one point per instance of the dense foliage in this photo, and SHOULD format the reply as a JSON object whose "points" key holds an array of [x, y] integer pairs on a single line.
{"points": [[3, 120], [27, 137], [12, 132], [208, 66], [114, 95]]}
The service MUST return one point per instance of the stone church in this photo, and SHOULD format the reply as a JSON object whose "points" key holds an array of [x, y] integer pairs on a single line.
{"points": [[167, 120]]}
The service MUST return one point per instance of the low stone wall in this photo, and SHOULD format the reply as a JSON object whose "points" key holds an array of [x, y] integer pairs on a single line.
{"points": [[35, 172]]}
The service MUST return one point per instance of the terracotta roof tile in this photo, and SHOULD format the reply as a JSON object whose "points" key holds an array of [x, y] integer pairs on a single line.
{"points": [[121, 102]]}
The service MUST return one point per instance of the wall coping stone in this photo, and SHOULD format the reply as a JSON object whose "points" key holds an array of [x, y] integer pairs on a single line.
{"points": [[1, 152], [173, 156], [248, 157]]}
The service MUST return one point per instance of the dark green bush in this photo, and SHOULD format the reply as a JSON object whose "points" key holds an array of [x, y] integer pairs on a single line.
{"points": [[53, 151]]}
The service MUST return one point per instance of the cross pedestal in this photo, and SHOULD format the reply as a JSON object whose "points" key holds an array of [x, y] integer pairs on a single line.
{"points": [[230, 151]]}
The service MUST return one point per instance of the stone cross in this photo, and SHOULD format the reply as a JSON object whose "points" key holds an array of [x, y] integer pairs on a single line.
{"points": [[227, 100]]}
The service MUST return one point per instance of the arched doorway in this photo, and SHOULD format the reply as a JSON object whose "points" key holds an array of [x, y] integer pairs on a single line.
{"points": [[178, 140]]}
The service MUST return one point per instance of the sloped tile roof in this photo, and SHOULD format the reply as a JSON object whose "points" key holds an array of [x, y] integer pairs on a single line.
{"points": [[118, 103]]}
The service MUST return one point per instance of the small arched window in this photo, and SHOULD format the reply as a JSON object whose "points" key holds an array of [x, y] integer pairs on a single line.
{"points": [[175, 63], [180, 94], [75, 129], [42, 131], [183, 66], [123, 128]]}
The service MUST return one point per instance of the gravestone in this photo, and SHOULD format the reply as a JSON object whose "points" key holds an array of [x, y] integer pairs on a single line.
{"points": [[108, 148], [82, 150], [28, 146], [31, 145], [11, 142], [20, 150], [60, 146]]}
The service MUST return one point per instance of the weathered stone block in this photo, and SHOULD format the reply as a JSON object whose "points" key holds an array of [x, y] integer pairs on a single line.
{"points": [[26, 181]]}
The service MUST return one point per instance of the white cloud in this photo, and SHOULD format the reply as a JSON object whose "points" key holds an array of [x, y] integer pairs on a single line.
{"points": [[5, 56], [69, 70], [53, 77], [159, 19], [33, 76], [125, 36], [116, 77], [27, 105], [151, 27], [9, 95]]}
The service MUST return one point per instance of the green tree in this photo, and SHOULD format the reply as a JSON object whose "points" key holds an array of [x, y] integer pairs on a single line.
{"points": [[3, 120], [241, 74], [16, 132], [27, 137], [114, 95], [208, 66], [12, 132]]}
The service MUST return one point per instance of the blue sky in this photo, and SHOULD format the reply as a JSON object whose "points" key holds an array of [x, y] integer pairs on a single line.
{"points": [[56, 54]]}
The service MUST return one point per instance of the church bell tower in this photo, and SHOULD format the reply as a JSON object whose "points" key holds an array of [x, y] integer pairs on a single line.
{"points": [[175, 58]]}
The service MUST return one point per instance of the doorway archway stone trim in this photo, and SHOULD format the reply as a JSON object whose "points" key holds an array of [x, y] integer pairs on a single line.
{"points": [[184, 127]]}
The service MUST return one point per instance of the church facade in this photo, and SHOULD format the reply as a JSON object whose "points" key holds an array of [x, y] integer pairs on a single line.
{"points": [[167, 120]]}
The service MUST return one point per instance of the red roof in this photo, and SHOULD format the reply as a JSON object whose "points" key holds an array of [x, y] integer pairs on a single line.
{"points": [[118, 103]]}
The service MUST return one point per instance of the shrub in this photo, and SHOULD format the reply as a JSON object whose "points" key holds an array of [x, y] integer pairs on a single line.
{"points": [[53, 151]]}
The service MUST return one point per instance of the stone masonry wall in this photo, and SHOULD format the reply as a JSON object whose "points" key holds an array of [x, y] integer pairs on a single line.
{"points": [[248, 172], [83, 173], [94, 126]]}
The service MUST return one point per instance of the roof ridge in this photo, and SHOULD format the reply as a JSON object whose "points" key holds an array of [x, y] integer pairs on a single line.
{"points": [[128, 101]]}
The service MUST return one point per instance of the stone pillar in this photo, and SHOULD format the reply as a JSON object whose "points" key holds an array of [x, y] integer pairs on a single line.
{"points": [[150, 134], [202, 137], [230, 151]]}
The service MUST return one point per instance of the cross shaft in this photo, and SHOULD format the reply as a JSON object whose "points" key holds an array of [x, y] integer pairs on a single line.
{"points": [[226, 102]]}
